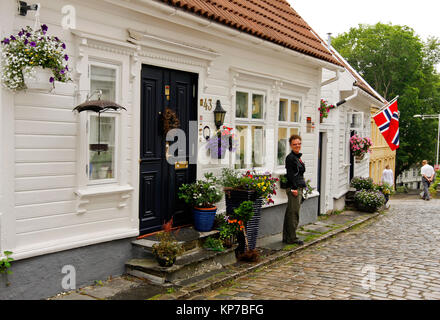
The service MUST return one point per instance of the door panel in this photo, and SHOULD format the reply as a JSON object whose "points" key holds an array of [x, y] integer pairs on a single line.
{"points": [[163, 204]]}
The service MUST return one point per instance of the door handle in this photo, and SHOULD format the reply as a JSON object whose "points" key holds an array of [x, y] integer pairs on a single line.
{"points": [[167, 149]]}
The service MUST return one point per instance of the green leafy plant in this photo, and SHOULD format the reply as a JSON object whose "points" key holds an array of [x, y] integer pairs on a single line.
{"points": [[385, 188], [262, 183], [360, 183], [31, 48], [202, 193], [324, 109], [168, 248], [369, 200], [402, 189], [5, 263], [213, 244]]}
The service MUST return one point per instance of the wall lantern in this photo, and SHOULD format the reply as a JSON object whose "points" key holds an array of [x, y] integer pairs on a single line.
{"points": [[23, 8], [219, 115], [99, 106]]}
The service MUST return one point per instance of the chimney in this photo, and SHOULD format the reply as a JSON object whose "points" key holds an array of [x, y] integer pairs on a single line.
{"points": [[329, 39]]}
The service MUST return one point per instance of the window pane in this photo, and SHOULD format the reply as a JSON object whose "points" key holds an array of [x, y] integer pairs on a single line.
{"points": [[257, 106], [102, 165], [257, 146], [241, 108], [294, 111], [103, 79], [240, 154], [282, 146], [283, 110], [294, 131]]}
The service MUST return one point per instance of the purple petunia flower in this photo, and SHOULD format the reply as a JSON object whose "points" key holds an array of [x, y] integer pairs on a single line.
{"points": [[62, 71], [66, 57], [63, 46], [67, 68], [51, 79], [44, 28], [28, 34], [33, 44], [5, 41], [20, 33], [56, 39], [13, 38], [26, 41]]}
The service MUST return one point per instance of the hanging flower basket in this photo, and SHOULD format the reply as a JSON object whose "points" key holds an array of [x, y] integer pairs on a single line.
{"points": [[221, 142], [33, 60], [360, 146]]}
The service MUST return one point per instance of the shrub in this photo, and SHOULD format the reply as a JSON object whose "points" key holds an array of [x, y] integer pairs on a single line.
{"points": [[202, 193], [213, 244], [402, 189], [360, 183], [368, 200]]}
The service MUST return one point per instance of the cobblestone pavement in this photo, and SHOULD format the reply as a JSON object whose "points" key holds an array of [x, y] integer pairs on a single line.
{"points": [[393, 257]]}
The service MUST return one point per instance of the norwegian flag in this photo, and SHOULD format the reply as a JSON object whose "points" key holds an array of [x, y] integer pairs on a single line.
{"points": [[388, 122]]}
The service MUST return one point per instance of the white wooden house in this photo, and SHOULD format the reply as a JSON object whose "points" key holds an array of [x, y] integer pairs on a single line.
{"points": [[353, 115], [61, 205]]}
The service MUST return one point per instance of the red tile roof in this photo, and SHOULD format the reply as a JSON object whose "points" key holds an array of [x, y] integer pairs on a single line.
{"points": [[271, 20]]}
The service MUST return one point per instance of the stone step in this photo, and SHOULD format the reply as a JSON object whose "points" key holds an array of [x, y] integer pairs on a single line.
{"points": [[191, 264], [189, 238]]}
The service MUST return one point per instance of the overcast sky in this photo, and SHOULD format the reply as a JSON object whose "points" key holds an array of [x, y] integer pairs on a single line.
{"points": [[339, 15]]}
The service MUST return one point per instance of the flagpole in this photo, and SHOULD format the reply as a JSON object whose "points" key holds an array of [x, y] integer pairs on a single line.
{"points": [[386, 106]]}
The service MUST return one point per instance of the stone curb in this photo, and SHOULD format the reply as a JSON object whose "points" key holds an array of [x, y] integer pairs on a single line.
{"points": [[184, 293]]}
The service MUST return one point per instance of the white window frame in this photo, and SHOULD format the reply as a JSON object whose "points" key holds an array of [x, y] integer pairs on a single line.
{"points": [[109, 114], [250, 122], [348, 129], [287, 124], [114, 114]]}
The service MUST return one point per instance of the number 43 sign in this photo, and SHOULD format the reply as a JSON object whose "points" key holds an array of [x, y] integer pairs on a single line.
{"points": [[206, 103]]}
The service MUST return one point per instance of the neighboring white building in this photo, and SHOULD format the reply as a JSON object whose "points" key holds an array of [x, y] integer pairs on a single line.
{"points": [[350, 117], [61, 204], [411, 178]]}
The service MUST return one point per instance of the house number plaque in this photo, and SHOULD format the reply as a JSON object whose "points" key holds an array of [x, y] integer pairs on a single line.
{"points": [[206, 103]]}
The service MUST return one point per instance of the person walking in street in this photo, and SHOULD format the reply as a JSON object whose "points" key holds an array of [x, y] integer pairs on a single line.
{"points": [[428, 173], [295, 184], [388, 178]]}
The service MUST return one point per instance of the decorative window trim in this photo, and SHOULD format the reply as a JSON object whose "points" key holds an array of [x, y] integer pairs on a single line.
{"points": [[249, 122]]}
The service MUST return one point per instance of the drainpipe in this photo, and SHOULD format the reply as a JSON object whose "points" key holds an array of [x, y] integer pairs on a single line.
{"points": [[354, 95], [334, 79]]}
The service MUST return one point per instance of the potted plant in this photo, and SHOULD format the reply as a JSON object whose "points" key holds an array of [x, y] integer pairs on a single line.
{"points": [[360, 146], [220, 142], [202, 195], [167, 250], [324, 110], [250, 186], [33, 60], [243, 214]]}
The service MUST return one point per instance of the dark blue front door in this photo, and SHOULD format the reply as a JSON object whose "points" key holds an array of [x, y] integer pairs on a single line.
{"points": [[159, 180]]}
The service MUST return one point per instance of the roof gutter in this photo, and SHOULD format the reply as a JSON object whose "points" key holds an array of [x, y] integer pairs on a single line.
{"points": [[331, 80], [173, 11]]}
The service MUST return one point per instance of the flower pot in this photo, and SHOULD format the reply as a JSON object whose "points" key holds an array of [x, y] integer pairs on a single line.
{"points": [[234, 198], [166, 262], [38, 78], [204, 218], [360, 158]]}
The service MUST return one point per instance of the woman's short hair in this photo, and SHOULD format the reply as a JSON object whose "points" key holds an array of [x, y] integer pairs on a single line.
{"points": [[387, 166], [294, 137]]}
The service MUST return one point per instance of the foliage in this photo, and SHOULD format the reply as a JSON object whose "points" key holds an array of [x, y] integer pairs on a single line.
{"points": [[213, 244], [262, 183], [402, 189], [308, 190], [31, 48], [435, 183], [283, 179], [324, 109], [395, 61], [244, 212], [369, 200], [202, 193], [384, 188], [221, 141], [5, 263], [360, 183], [360, 146], [168, 248]]}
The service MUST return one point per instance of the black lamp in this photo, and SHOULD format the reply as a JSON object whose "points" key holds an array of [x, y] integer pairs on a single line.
{"points": [[219, 115]]}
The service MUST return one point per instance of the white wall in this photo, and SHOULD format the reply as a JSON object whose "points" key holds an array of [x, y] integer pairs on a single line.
{"points": [[52, 206]]}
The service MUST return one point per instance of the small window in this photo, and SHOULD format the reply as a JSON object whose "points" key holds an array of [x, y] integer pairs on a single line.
{"points": [[102, 146], [288, 125], [242, 105]]}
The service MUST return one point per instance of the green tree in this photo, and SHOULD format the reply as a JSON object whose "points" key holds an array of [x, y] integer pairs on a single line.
{"points": [[395, 61]]}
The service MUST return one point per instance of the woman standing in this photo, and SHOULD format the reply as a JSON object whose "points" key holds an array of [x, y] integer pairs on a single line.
{"points": [[295, 184]]}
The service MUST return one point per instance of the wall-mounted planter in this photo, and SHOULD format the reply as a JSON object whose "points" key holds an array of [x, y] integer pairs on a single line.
{"points": [[38, 78]]}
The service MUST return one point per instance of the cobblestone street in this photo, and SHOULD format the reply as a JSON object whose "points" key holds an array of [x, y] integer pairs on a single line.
{"points": [[400, 251]]}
